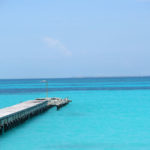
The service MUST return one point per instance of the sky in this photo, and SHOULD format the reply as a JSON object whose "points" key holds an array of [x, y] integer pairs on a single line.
{"points": [[74, 38]]}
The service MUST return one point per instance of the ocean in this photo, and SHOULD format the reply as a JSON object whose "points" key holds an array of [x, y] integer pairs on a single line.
{"points": [[105, 114]]}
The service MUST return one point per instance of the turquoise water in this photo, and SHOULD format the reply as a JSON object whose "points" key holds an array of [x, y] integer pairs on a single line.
{"points": [[106, 114]]}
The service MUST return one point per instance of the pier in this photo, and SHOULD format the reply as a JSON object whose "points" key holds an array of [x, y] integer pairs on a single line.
{"points": [[12, 116]]}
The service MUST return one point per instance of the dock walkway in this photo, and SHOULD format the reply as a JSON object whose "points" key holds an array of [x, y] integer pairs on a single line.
{"points": [[14, 115]]}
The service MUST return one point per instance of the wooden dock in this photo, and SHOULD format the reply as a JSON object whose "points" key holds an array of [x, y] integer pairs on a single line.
{"points": [[12, 116]]}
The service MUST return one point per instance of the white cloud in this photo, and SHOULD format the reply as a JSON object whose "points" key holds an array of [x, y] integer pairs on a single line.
{"points": [[53, 43]]}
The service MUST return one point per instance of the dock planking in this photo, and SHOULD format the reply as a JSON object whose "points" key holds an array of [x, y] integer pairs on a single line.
{"points": [[12, 116], [5, 112]]}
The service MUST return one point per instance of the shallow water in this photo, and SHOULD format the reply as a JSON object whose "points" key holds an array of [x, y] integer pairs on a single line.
{"points": [[106, 114]]}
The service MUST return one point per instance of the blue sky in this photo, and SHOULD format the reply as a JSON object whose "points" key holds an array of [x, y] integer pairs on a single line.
{"points": [[64, 38]]}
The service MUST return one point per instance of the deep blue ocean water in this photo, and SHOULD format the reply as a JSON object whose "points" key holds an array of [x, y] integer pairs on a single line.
{"points": [[105, 114]]}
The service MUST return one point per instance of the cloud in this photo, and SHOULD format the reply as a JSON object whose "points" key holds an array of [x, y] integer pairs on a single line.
{"points": [[53, 43]]}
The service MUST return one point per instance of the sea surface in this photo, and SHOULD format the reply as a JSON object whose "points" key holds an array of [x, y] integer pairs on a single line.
{"points": [[105, 114]]}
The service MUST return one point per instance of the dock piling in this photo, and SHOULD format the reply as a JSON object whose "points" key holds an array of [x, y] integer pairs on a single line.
{"points": [[12, 116]]}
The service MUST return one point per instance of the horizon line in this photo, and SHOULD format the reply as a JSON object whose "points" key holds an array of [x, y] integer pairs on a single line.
{"points": [[80, 77]]}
